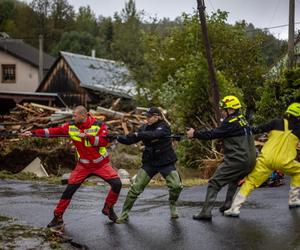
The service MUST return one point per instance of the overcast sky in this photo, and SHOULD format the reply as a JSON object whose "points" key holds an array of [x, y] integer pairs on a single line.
{"points": [[262, 13]]}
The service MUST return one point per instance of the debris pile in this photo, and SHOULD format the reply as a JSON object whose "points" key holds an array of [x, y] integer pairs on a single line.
{"points": [[31, 115], [56, 154]]}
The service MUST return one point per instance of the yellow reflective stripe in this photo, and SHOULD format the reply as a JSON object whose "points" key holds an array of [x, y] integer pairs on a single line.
{"points": [[102, 150], [233, 119], [73, 132], [241, 119]]}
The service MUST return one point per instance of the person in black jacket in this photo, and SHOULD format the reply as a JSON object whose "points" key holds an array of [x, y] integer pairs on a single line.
{"points": [[158, 157], [239, 154]]}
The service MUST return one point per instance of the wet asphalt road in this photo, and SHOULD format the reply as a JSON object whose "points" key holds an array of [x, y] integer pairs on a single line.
{"points": [[265, 221]]}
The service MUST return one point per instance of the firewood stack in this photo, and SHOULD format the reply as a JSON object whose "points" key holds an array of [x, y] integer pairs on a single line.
{"points": [[31, 116]]}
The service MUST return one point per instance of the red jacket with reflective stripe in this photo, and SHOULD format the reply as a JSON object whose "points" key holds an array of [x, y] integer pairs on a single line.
{"points": [[89, 153]]}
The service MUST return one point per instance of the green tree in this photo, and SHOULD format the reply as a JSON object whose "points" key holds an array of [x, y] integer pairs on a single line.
{"points": [[277, 94], [7, 13], [105, 32], [127, 44], [61, 20], [76, 42], [42, 10], [238, 56], [86, 21], [272, 49], [15, 18]]}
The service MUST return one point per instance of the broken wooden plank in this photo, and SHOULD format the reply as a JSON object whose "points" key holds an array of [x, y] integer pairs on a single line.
{"points": [[115, 104], [124, 126], [27, 109], [111, 122], [13, 123], [110, 113], [44, 107]]}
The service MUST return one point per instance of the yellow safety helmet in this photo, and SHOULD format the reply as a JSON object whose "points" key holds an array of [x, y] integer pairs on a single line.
{"points": [[294, 109], [230, 102]]}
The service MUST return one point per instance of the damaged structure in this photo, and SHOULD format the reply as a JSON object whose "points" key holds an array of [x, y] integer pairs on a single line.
{"points": [[84, 80]]}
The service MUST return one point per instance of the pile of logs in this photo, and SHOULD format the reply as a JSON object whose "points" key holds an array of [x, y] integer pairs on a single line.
{"points": [[32, 115]]}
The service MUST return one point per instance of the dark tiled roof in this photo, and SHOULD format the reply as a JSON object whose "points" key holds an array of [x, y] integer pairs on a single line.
{"points": [[25, 52]]}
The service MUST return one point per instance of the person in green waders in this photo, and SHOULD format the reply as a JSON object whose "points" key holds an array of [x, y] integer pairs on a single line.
{"points": [[278, 153], [158, 157], [239, 154]]}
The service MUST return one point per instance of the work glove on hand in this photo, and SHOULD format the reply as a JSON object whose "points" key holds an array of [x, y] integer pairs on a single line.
{"points": [[132, 135], [177, 137], [111, 137]]}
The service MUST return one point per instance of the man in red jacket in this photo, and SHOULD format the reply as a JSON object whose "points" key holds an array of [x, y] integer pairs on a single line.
{"points": [[89, 137]]}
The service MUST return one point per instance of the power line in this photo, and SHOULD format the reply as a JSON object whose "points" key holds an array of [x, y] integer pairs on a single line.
{"points": [[274, 27], [212, 6], [275, 11]]}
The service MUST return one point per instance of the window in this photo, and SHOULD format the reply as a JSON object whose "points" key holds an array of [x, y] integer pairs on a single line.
{"points": [[8, 73]]}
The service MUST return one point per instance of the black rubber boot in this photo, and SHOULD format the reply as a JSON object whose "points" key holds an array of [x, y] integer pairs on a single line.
{"points": [[56, 222], [205, 213], [225, 206], [108, 210], [232, 187]]}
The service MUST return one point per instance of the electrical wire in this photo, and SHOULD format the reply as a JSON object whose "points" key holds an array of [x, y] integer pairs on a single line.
{"points": [[212, 6], [269, 28], [274, 13]]}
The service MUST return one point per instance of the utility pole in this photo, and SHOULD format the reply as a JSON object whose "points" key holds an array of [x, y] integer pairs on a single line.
{"points": [[215, 94], [41, 59], [291, 40]]}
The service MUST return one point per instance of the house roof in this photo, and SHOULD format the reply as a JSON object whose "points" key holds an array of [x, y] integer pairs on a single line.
{"points": [[36, 96], [26, 52], [100, 74]]}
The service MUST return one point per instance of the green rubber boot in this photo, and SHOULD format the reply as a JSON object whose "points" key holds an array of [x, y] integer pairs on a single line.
{"points": [[174, 184], [123, 218], [173, 210], [137, 187]]}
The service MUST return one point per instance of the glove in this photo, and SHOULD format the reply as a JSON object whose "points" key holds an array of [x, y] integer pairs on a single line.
{"points": [[133, 135], [111, 137], [177, 137]]}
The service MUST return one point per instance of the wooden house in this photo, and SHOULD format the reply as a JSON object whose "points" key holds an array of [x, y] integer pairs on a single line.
{"points": [[83, 80]]}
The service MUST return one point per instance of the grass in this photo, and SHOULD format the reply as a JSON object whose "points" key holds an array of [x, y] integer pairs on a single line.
{"points": [[3, 218], [6, 175]]}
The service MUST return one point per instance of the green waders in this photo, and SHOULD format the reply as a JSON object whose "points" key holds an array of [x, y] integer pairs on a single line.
{"points": [[174, 184], [141, 181], [137, 187]]}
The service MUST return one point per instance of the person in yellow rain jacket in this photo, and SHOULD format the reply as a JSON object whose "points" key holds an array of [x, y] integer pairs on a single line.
{"points": [[278, 153]]}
